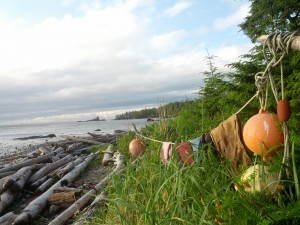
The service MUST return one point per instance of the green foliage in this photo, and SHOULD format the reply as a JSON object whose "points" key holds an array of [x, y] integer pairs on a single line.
{"points": [[267, 16], [171, 108]]}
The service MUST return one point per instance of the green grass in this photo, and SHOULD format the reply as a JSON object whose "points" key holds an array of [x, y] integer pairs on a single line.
{"points": [[204, 193]]}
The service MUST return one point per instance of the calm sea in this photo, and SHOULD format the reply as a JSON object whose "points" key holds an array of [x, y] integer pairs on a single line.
{"points": [[9, 133]]}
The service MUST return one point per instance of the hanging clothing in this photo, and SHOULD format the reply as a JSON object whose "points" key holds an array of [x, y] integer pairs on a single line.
{"points": [[185, 153], [166, 152], [228, 140]]}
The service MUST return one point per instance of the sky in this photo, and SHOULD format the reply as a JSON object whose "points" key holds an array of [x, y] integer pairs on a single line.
{"points": [[65, 60]]}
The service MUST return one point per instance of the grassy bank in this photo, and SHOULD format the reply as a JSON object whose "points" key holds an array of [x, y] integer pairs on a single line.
{"points": [[204, 193]]}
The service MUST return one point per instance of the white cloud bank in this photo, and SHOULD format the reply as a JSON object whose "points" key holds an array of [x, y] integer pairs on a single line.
{"points": [[101, 61]]}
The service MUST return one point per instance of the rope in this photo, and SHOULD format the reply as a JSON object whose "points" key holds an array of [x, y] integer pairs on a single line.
{"points": [[247, 103], [278, 46], [137, 132]]}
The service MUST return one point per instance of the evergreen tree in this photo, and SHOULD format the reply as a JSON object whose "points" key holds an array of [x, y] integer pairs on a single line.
{"points": [[268, 16]]}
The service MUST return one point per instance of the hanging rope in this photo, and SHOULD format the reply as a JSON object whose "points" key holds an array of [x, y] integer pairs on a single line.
{"points": [[137, 132], [278, 47]]}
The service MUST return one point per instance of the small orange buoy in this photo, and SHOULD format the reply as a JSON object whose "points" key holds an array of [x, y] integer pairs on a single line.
{"points": [[283, 110], [262, 134], [136, 147]]}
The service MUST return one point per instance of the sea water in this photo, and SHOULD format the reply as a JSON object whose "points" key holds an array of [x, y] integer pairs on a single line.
{"points": [[8, 134]]}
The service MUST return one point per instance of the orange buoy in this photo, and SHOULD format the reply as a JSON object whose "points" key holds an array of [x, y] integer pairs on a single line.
{"points": [[283, 110], [136, 147], [262, 134]]}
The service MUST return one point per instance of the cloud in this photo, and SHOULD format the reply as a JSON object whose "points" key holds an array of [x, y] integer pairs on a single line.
{"points": [[105, 60], [176, 9], [167, 40], [234, 19]]}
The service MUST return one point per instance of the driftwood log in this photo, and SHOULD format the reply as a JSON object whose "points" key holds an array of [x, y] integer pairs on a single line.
{"points": [[50, 167], [63, 199], [44, 186], [108, 155], [85, 199], [88, 211], [30, 161], [295, 43], [13, 181], [39, 204], [42, 172], [81, 139], [8, 218], [13, 186]]}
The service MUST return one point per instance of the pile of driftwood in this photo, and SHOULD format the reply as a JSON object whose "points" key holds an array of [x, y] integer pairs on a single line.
{"points": [[43, 177]]}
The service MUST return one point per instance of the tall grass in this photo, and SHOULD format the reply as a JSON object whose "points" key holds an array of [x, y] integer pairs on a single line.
{"points": [[150, 192]]}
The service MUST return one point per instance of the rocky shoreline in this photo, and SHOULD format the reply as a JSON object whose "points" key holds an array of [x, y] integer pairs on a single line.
{"points": [[31, 180]]}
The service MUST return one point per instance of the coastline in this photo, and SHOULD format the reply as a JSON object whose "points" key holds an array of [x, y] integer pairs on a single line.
{"points": [[69, 146]]}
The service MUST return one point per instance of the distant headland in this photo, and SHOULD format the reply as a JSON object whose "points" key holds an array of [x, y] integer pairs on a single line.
{"points": [[95, 119]]}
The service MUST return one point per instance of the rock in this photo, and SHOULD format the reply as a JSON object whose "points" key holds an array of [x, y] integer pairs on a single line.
{"points": [[96, 119], [35, 137]]}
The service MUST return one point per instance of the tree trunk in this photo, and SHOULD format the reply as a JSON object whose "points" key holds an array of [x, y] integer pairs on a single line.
{"points": [[39, 204]]}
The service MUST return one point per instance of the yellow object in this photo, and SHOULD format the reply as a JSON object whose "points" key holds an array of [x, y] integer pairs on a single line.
{"points": [[258, 178]]}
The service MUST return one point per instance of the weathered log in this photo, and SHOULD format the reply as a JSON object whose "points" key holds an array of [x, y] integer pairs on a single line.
{"points": [[13, 181], [36, 137], [8, 218], [88, 211], [8, 159], [108, 155], [80, 139], [63, 199], [32, 187], [44, 186], [30, 161], [43, 150], [34, 154], [5, 174], [48, 168], [7, 199], [60, 173], [9, 195], [107, 138], [80, 151], [85, 199], [74, 146], [2, 181], [38, 205], [64, 189], [295, 43]]}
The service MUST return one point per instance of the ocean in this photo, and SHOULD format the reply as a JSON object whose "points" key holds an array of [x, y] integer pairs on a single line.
{"points": [[9, 133]]}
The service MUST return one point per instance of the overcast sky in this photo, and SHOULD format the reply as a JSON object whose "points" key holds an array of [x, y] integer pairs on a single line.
{"points": [[63, 60]]}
